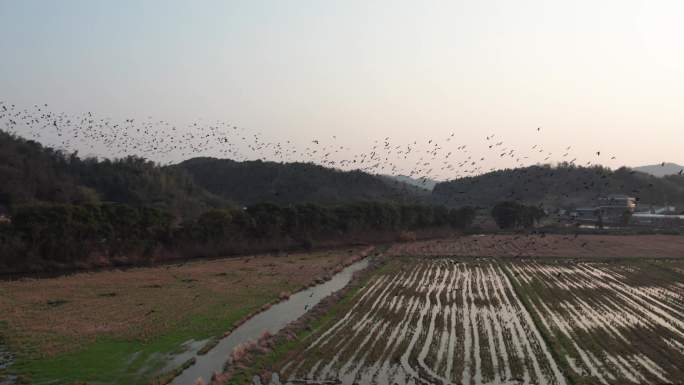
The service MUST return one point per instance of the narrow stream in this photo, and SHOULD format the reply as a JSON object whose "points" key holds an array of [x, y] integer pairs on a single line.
{"points": [[272, 320]]}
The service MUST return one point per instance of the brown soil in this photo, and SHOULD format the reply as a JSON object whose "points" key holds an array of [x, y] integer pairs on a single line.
{"points": [[582, 246]]}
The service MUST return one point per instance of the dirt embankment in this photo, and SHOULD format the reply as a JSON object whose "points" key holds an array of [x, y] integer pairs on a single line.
{"points": [[549, 245], [246, 359]]}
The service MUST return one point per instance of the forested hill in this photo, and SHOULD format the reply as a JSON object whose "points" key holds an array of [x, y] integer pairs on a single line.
{"points": [[30, 172], [33, 173], [284, 183], [562, 186]]}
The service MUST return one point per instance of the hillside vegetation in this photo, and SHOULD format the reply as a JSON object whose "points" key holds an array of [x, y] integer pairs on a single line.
{"points": [[70, 212], [562, 186], [251, 182], [67, 211], [33, 173]]}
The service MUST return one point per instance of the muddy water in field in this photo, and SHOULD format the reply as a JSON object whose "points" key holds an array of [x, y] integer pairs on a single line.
{"points": [[6, 358], [458, 323], [441, 321], [271, 320]]}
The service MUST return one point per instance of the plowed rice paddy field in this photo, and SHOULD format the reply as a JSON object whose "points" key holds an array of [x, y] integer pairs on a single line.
{"points": [[493, 320]]}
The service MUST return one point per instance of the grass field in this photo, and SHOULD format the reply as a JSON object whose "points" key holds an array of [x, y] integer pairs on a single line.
{"points": [[475, 320], [118, 327]]}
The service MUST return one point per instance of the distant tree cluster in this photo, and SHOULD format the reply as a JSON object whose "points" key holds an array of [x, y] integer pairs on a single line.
{"points": [[46, 235], [267, 220], [511, 215], [304, 225]]}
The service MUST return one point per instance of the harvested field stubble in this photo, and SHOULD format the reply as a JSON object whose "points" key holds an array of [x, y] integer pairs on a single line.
{"points": [[483, 321]]}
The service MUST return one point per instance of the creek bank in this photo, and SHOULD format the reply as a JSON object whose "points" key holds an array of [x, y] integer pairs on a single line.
{"points": [[270, 318], [249, 353]]}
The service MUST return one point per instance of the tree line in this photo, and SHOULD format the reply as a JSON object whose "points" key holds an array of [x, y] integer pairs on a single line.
{"points": [[511, 215], [48, 235]]}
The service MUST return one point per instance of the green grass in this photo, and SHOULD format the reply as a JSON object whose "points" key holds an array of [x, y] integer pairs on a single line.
{"points": [[120, 361], [72, 329]]}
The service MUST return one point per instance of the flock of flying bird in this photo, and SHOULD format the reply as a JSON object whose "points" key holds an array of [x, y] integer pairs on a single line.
{"points": [[164, 142]]}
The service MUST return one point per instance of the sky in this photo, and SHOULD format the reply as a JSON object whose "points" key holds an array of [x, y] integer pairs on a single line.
{"points": [[600, 76]]}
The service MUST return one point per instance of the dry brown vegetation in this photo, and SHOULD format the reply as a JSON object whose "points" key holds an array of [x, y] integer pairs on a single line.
{"points": [[551, 245], [51, 316]]}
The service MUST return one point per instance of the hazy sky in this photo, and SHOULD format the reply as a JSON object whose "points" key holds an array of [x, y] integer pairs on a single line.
{"points": [[597, 75]]}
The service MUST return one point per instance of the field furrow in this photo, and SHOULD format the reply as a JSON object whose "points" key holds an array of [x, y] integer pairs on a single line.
{"points": [[485, 321]]}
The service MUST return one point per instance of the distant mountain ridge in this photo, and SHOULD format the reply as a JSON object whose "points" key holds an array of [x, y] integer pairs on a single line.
{"points": [[662, 169], [562, 186]]}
